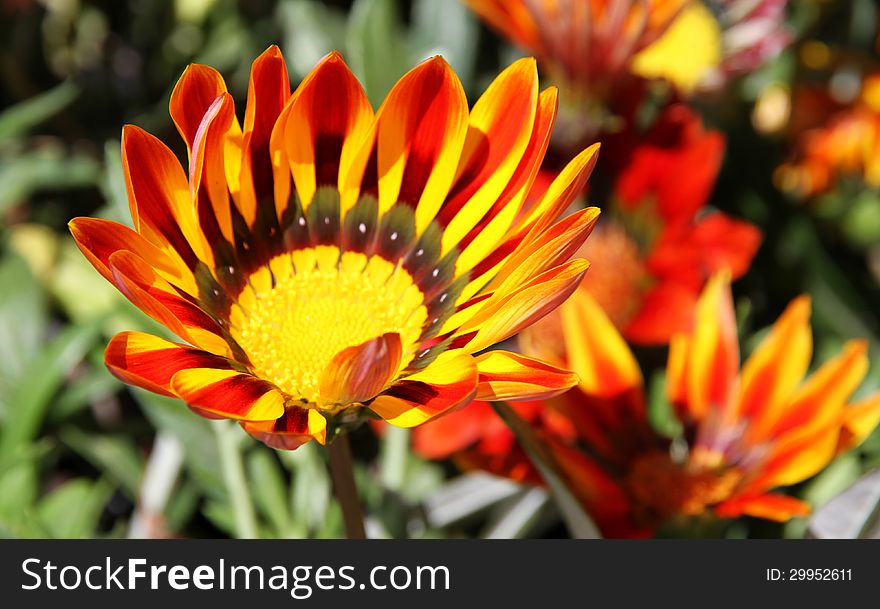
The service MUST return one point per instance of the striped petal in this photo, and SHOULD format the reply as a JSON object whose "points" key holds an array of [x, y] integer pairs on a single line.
{"points": [[595, 351], [448, 383], [563, 190], [495, 224], [207, 171], [152, 295], [158, 195], [291, 430], [773, 372], [228, 393], [505, 315], [420, 132], [514, 377], [499, 130], [551, 248], [713, 351], [150, 362], [770, 506], [98, 239], [268, 92], [324, 127], [820, 401]]}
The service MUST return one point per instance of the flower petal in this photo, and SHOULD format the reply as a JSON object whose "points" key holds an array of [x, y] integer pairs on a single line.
{"points": [[150, 362], [420, 131], [771, 506], [514, 377], [98, 239], [859, 420], [499, 130], [268, 92], [773, 372], [229, 393], [158, 196], [359, 373], [595, 350], [453, 432], [821, 399], [506, 314], [713, 351], [448, 383], [291, 430], [151, 294], [327, 121], [195, 91]]}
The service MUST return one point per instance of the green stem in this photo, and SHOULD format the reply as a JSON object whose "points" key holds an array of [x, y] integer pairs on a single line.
{"points": [[342, 472], [236, 483]]}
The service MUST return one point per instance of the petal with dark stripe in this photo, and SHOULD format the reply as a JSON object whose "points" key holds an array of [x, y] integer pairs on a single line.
{"points": [[420, 131], [158, 195], [291, 430], [229, 393], [511, 376], [448, 383], [150, 362], [326, 123]]}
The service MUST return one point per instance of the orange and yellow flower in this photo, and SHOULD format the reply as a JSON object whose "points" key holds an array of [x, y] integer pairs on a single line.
{"points": [[846, 145], [325, 262], [746, 431]]}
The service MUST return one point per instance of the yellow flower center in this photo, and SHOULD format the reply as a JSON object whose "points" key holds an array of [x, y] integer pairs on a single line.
{"points": [[305, 307]]}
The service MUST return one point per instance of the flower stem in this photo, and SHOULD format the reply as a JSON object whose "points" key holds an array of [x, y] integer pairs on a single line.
{"points": [[236, 483], [342, 472]]}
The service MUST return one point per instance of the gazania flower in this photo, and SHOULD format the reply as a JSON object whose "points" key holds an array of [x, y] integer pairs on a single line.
{"points": [[846, 146], [746, 431], [653, 257], [323, 262]]}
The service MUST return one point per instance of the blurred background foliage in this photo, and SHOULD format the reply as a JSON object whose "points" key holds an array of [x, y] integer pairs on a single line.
{"points": [[81, 456]]}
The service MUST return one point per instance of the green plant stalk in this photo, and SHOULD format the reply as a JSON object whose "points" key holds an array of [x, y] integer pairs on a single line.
{"points": [[344, 487], [236, 483]]}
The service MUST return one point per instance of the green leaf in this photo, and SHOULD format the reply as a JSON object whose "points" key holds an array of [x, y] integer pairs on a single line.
{"points": [[115, 456], [377, 48], [23, 323], [72, 511], [43, 379], [269, 489], [46, 168], [661, 415], [22, 117], [19, 487], [580, 525], [91, 386]]}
